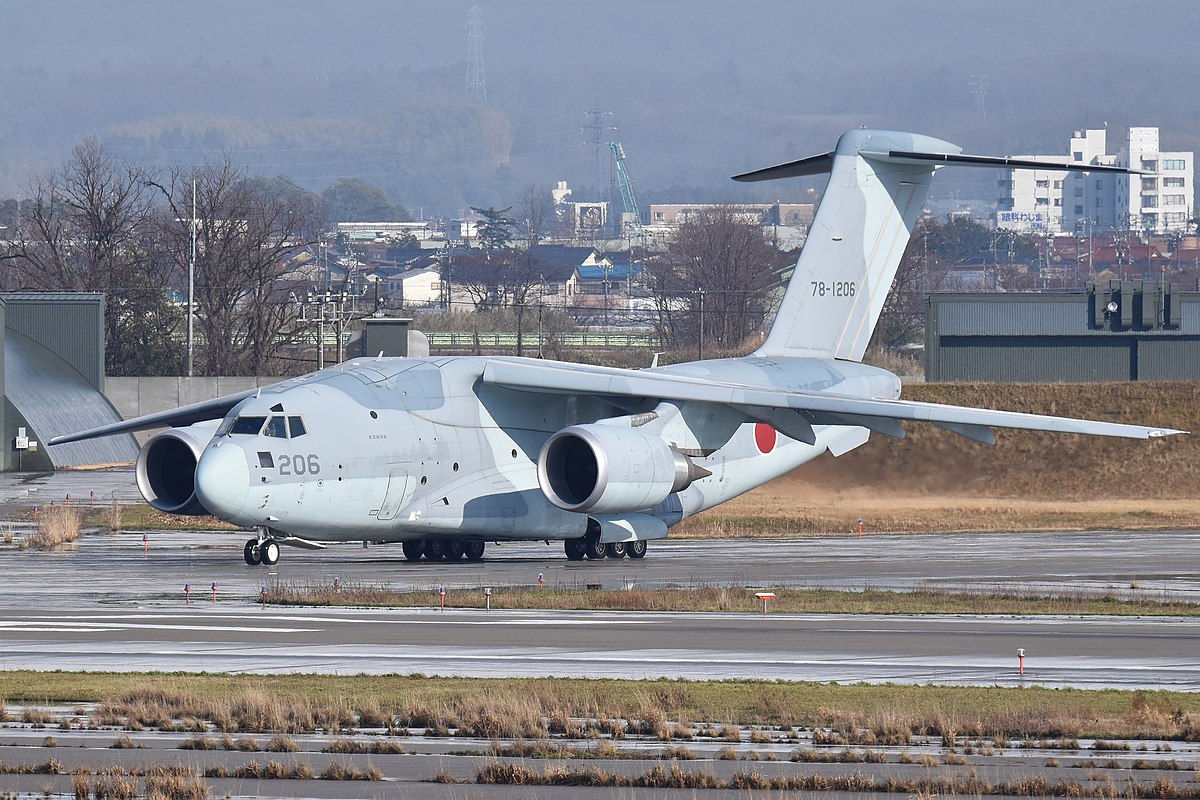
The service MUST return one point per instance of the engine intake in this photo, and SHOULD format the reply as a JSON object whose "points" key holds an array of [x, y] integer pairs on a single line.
{"points": [[166, 469], [606, 469]]}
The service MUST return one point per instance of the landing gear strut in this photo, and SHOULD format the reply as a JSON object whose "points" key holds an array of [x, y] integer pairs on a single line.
{"points": [[261, 550]]}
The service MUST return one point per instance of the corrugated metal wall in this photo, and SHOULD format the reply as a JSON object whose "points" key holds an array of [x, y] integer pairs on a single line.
{"points": [[70, 325], [1046, 337]]}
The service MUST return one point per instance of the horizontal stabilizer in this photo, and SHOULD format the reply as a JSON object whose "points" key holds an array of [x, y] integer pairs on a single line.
{"points": [[823, 163], [813, 165], [963, 159]]}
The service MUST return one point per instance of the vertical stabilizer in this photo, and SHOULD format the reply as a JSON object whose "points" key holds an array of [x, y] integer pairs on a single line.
{"points": [[856, 241]]}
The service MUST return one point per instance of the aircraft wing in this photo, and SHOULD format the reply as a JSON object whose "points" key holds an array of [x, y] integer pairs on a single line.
{"points": [[771, 405], [184, 415]]}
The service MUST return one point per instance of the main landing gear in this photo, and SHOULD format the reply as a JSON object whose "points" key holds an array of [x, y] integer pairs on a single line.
{"points": [[589, 546], [262, 550], [443, 549]]}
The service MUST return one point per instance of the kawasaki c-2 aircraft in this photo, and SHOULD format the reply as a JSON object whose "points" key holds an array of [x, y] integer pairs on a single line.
{"points": [[446, 454]]}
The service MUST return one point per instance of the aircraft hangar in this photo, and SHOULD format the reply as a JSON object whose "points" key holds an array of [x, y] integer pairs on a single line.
{"points": [[1113, 331], [52, 375]]}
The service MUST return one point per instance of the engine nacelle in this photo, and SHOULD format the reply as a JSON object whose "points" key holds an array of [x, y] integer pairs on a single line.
{"points": [[606, 469], [166, 468]]}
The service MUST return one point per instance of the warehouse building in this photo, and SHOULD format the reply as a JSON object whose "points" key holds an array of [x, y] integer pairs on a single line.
{"points": [[1115, 331]]}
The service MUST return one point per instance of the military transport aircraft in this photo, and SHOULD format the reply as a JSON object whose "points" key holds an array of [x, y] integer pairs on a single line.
{"points": [[445, 454]]}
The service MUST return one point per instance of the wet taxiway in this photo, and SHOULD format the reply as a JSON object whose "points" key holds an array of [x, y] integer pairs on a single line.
{"points": [[117, 602]]}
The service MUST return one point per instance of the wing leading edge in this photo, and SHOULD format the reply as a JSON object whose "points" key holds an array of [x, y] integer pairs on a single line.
{"points": [[765, 403], [184, 415]]}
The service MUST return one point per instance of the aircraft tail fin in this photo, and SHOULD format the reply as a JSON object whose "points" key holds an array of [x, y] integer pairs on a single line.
{"points": [[878, 182]]}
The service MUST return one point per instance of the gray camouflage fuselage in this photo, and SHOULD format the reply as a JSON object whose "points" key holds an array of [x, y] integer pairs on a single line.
{"points": [[397, 449]]}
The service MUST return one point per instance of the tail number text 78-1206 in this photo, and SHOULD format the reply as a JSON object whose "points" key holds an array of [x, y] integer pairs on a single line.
{"points": [[833, 288]]}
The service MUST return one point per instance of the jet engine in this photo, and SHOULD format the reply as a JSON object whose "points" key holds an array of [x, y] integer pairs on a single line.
{"points": [[166, 468], [606, 469]]}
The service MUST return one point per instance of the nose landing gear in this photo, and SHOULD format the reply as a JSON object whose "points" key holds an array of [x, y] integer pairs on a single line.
{"points": [[261, 550]]}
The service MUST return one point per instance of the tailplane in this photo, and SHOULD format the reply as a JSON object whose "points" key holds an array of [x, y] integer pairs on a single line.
{"points": [[878, 182]]}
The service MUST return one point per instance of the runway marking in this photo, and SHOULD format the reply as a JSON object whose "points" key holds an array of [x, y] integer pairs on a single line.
{"points": [[83, 627]]}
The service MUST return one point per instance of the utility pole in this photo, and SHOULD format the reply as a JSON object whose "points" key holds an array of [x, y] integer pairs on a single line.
{"points": [[700, 345], [192, 288]]}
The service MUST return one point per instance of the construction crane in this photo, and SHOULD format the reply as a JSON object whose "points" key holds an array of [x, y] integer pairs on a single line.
{"points": [[631, 218]]}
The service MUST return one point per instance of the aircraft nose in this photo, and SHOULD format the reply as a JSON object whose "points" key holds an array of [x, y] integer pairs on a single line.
{"points": [[223, 480]]}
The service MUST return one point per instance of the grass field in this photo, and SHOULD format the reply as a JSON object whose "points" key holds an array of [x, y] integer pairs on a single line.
{"points": [[521, 707]]}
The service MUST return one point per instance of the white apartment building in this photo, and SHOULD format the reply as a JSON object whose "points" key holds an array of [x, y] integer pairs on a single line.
{"points": [[1058, 201]]}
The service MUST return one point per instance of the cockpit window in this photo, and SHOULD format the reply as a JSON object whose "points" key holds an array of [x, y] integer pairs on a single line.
{"points": [[250, 425], [297, 426], [276, 428]]}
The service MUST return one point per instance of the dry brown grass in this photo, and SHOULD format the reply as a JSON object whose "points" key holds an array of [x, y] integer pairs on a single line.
{"points": [[935, 481], [727, 599], [377, 747], [859, 714], [248, 711], [929, 786], [112, 517], [282, 744], [58, 528], [268, 770]]}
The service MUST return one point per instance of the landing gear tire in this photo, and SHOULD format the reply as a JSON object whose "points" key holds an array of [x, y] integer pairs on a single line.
{"points": [[615, 550], [474, 550], [250, 552], [593, 548], [412, 549], [268, 553], [636, 549], [455, 550], [435, 549], [574, 549]]}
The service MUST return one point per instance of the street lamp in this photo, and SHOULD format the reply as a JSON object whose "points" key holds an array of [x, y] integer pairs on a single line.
{"points": [[191, 268]]}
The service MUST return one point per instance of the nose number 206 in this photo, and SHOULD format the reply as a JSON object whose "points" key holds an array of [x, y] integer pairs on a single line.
{"points": [[299, 464]]}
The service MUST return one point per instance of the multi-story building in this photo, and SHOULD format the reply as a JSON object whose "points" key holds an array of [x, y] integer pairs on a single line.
{"points": [[1057, 201]]}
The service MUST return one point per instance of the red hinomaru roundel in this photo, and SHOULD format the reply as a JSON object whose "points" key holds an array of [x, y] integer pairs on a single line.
{"points": [[764, 437]]}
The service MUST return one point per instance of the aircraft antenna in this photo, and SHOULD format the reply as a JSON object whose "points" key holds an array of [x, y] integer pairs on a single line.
{"points": [[476, 85]]}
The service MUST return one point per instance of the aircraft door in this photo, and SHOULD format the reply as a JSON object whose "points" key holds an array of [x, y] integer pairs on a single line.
{"points": [[400, 489]]}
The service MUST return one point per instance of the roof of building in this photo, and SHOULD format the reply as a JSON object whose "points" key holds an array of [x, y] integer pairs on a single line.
{"points": [[617, 272]]}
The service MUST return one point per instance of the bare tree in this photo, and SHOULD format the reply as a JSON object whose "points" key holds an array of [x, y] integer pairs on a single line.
{"points": [[525, 276], [246, 229], [728, 265], [88, 227]]}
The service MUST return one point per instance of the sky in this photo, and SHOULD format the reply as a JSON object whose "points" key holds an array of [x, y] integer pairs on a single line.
{"points": [[695, 91]]}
